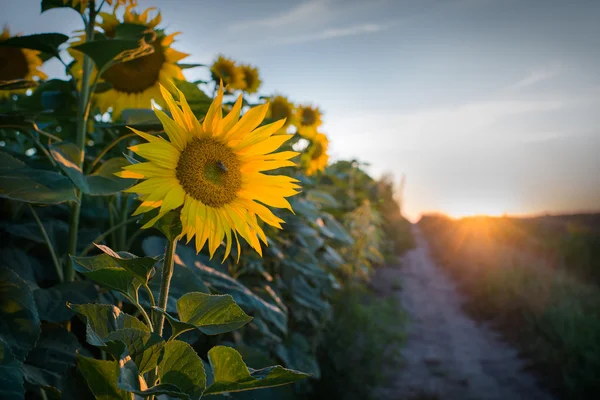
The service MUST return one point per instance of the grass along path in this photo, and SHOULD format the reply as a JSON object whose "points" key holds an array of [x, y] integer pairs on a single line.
{"points": [[447, 354]]}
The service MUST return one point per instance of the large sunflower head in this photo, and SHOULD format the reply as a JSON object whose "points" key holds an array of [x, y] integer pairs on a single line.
{"points": [[251, 79], [308, 119], [226, 70], [136, 83], [281, 108], [214, 171], [316, 158], [17, 63]]}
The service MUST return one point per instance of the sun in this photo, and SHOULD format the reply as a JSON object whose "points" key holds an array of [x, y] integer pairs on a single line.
{"points": [[463, 210]]}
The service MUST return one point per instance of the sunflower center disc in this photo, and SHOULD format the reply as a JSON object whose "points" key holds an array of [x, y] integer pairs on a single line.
{"points": [[280, 110], [308, 117], [317, 151], [137, 75], [13, 64], [209, 172]]}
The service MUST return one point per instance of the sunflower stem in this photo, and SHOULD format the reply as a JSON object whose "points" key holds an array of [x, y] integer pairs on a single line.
{"points": [[82, 117], [59, 270], [163, 297], [165, 283]]}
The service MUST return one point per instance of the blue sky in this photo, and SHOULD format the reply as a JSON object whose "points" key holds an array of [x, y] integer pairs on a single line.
{"points": [[486, 106]]}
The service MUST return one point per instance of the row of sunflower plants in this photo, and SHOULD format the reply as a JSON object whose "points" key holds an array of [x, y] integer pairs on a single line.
{"points": [[160, 235]]}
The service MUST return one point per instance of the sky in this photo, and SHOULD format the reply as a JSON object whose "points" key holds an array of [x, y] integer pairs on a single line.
{"points": [[485, 106]]}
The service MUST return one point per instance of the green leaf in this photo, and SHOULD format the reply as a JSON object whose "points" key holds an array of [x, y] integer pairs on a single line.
{"points": [[133, 116], [210, 314], [142, 346], [322, 198], [19, 321], [336, 230], [102, 182], [180, 372], [52, 302], [232, 375], [102, 378], [74, 386], [107, 52], [22, 183], [52, 356], [11, 375], [103, 319], [170, 225], [113, 271], [17, 84], [186, 65], [44, 42]]}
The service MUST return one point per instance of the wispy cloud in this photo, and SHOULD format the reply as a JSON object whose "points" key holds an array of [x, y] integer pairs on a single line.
{"points": [[312, 20], [536, 76], [303, 12]]}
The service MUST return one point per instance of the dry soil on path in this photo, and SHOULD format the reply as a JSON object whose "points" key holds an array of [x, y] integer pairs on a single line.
{"points": [[448, 355]]}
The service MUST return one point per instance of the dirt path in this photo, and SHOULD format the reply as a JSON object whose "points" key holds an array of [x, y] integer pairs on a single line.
{"points": [[447, 354]]}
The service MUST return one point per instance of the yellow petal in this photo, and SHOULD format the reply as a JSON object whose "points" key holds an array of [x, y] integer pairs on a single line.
{"points": [[267, 146], [161, 153], [178, 136], [215, 107], [233, 117], [259, 135], [248, 122]]}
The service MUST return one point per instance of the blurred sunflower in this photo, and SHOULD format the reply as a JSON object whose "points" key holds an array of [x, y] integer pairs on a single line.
{"points": [[135, 83], [308, 119], [251, 78], [214, 170], [17, 63], [316, 158], [224, 69], [281, 108]]}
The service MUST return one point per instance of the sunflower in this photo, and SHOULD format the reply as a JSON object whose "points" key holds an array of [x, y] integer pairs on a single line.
{"points": [[224, 69], [308, 119], [136, 83], [251, 78], [17, 63], [281, 108], [316, 158], [213, 170]]}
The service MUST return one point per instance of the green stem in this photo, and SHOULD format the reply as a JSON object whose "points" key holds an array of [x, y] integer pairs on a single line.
{"points": [[59, 270], [101, 237], [165, 283], [122, 234], [163, 296], [82, 117], [136, 302]]}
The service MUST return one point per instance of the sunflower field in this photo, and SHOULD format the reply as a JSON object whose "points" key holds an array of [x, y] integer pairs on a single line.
{"points": [[163, 238]]}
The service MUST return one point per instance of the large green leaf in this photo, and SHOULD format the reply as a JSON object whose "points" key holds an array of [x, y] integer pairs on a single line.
{"points": [[114, 271], [20, 182], [181, 374], [106, 52], [19, 320], [52, 302], [102, 182], [103, 319], [11, 375], [232, 375], [44, 42], [322, 198], [210, 314], [52, 356], [102, 378], [142, 346]]}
